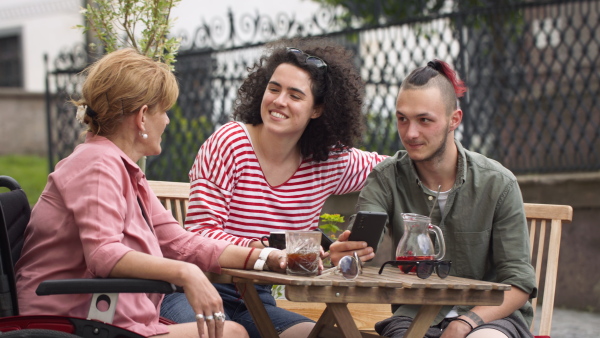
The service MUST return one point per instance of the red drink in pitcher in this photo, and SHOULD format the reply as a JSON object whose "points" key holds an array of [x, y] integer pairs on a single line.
{"points": [[415, 243], [411, 268]]}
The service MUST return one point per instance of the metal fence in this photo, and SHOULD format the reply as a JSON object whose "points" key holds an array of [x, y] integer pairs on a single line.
{"points": [[531, 70]]}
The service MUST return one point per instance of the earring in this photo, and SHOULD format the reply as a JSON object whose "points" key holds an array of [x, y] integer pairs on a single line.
{"points": [[144, 135]]}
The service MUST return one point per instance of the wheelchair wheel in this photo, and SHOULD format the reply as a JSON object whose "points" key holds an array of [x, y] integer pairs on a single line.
{"points": [[37, 333]]}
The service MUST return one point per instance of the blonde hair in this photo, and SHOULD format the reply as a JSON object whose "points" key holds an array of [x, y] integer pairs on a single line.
{"points": [[119, 84]]}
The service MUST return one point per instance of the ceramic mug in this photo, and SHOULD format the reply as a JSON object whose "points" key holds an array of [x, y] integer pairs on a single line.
{"points": [[275, 240]]}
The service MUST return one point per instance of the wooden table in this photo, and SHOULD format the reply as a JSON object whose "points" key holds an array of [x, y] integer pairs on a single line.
{"points": [[391, 287]]}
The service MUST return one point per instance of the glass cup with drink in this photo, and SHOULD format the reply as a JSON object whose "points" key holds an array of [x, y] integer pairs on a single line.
{"points": [[303, 250]]}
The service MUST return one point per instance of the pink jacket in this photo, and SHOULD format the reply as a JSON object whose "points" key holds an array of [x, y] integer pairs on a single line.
{"points": [[86, 219]]}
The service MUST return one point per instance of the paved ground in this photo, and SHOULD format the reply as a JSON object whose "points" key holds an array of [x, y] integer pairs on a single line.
{"points": [[574, 324]]}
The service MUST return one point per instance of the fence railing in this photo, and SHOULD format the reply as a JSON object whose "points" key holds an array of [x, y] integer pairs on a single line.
{"points": [[531, 70]]}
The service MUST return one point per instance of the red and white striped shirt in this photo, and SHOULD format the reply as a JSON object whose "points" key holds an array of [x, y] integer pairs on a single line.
{"points": [[230, 198]]}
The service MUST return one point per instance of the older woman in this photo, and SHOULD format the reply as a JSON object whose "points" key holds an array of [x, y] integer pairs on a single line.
{"points": [[97, 216], [298, 117]]}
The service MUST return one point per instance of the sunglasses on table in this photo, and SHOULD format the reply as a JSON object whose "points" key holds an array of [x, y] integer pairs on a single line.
{"points": [[310, 59], [423, 268], [349, 267]]}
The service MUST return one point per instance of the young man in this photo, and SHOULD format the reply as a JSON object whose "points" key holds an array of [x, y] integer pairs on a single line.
{"points": [[480, 209]]}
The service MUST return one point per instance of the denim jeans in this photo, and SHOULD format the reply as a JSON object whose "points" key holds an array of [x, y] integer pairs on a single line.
{"points": [[176, 308]]}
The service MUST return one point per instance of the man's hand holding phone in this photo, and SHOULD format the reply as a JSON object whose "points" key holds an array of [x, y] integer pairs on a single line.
{"points": [[342, 247], [367, 228]]}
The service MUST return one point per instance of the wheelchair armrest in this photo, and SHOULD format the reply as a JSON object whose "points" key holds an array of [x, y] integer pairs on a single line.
{"points": [[104, 285]]}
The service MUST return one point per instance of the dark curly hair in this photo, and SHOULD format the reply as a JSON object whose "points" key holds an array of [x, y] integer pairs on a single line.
{"points": [[339, 90]]}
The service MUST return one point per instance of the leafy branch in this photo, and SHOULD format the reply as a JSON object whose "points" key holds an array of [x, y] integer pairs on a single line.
{"points": [[329, 224], [115, 24]]}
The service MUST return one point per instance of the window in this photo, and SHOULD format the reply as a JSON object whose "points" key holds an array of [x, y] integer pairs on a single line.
{"points": [[11, 74]]}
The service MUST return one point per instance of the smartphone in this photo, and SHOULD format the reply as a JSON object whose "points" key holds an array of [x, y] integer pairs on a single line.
{"points": [[325, 240], [368, 226]]}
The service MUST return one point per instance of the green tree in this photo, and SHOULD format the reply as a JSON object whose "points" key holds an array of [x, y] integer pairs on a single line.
{"points": [[374, 12], [379, 12], [140, 24]]}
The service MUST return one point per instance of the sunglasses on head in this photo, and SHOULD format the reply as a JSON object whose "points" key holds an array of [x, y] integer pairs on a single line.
{"points": [[349, 266], [423, 268], [310, 59]]}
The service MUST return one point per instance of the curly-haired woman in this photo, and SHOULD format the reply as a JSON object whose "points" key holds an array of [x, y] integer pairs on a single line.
{"points": [[297, 119]]}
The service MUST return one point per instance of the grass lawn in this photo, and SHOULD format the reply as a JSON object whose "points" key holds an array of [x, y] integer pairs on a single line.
{"points": [[30, 171]]}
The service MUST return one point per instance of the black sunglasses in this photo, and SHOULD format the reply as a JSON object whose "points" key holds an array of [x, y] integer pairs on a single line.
{"points": [[423, 268], [310, 59], [349, 266]]}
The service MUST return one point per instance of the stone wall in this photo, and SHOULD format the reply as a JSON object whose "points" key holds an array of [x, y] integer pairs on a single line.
{"points": [[22, 123], [578, 282]]}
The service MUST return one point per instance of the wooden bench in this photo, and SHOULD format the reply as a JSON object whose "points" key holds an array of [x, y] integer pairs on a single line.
{"points": [[174, 196], [545, 226]]}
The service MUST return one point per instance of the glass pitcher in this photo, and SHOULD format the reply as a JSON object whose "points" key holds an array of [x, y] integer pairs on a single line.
{"points": [[416, 243]]}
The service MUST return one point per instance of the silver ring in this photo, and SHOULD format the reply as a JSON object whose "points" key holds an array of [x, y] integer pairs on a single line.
{"points": [[199, 316], [219, 316], [209, 317]]}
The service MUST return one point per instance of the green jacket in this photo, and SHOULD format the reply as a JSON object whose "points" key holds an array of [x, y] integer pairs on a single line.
{"points": [[483, 222]]}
